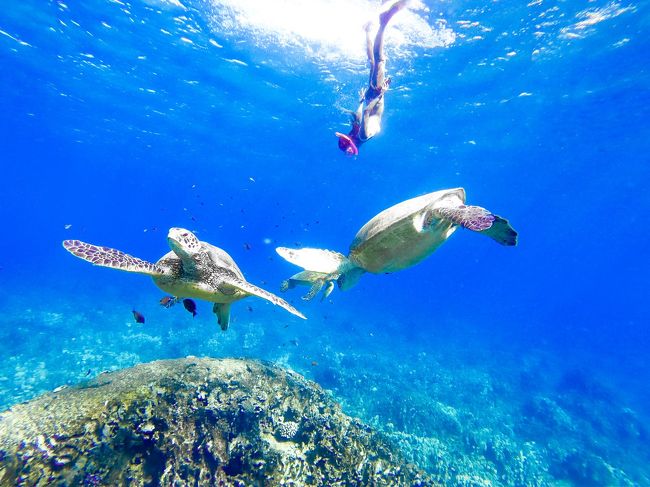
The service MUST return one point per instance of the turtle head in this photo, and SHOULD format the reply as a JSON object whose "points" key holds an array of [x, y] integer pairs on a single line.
{"points": [[183, 242]]}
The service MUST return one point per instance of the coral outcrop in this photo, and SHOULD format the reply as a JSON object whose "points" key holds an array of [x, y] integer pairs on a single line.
{"points": [[194, 421]]}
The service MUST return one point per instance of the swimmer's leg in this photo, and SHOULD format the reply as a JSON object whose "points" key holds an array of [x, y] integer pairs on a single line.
{"points": [[385, 17], [377, 73], [370, 54]]}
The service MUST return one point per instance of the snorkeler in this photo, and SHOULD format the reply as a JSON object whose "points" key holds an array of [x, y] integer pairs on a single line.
{"points": [[366, 121]]}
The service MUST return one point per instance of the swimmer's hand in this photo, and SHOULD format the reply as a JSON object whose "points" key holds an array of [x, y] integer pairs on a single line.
{"points": [[362, 95]]}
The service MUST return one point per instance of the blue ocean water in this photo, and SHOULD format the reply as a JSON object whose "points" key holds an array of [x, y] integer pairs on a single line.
{"points": [[122, 119]]}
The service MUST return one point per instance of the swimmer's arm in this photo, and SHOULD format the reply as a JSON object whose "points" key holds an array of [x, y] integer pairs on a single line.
{"points": [[371, 106], [358, 115], [355, 115]]}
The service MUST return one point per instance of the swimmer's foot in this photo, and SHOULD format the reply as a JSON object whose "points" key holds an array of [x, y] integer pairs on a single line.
{"points": [[385, 17]]}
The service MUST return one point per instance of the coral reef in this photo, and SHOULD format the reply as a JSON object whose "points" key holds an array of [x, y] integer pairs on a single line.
{"points": [[476, 422], [194, 422], [468, 410]]}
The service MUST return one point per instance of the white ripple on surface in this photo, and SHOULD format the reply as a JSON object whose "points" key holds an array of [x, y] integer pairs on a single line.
{"points": [[593, 16]]}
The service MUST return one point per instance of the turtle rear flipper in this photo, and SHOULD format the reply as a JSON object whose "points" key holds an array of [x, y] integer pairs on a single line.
{"points": [[251, 289], [115, 259]]}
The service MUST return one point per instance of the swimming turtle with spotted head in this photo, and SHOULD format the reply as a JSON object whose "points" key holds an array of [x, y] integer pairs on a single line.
{"points": [[397, 238], [192, 269]]}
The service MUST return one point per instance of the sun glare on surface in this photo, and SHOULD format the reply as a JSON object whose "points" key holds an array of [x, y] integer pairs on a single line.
{"points": [[328, 28]]}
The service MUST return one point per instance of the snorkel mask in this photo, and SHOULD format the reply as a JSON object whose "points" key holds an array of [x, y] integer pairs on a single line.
{"points": [[347, 145]]}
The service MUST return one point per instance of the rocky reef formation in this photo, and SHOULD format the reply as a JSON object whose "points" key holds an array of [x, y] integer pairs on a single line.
{"points": [[194, 421]]}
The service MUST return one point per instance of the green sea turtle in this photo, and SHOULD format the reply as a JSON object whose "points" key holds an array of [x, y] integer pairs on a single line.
{"points": [[397, 238], [192, 269]]}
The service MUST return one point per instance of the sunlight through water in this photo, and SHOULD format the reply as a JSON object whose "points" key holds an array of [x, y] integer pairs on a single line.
{"points": [[327, 29]]}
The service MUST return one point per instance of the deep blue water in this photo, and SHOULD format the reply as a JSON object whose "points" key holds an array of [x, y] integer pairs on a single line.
{"points": [[122, 119]]}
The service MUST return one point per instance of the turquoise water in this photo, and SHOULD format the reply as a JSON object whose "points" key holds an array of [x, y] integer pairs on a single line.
{"points": [[521, 366]]}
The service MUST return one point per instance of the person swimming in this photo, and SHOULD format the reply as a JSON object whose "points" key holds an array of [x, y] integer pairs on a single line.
{"points": [[366, 120]]}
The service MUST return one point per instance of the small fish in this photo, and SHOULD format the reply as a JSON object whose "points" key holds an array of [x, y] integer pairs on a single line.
{"points": [[139, 317], [247, 246], [168, 301], [88, 373], [314, 363], [190, 306], [294, 342], [250, 309]]}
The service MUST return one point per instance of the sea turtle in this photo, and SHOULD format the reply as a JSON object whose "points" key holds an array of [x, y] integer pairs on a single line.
{"points": [[397, 238], [193, 269]]}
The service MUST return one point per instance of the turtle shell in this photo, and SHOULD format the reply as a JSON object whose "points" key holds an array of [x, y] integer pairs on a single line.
{"points": [[200, 277], [395, 240]]}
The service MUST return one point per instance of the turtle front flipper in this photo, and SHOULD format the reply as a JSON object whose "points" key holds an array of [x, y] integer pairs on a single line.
{"points": [[477, 219], [314, 260], [115, 259], [251, 289], [314, 290], [222, 310], [329, 287], [501, 232]]}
